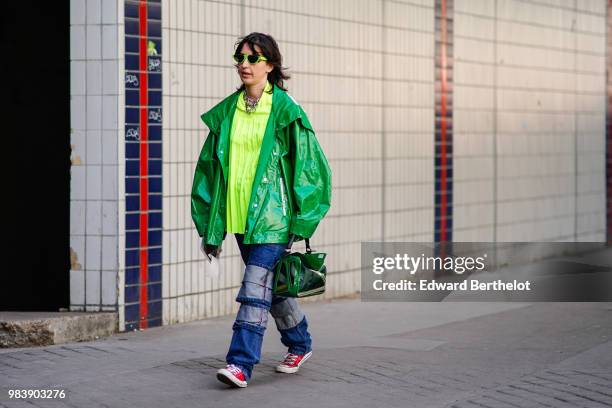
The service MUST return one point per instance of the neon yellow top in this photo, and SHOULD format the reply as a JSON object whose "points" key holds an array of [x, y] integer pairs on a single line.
{"points": [[245, 143]]}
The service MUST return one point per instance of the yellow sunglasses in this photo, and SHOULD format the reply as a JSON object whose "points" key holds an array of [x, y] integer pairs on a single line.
{"points": [[252, 58]]}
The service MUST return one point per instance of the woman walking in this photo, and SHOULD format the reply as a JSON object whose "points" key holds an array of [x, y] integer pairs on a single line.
{"points": [[263, 177]]}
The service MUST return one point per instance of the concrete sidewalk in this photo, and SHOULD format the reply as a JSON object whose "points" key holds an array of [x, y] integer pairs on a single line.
{"points": [[365, 355]]}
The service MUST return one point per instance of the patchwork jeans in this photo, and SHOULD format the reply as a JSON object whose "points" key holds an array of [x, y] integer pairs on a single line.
{"points": [[256, 299]]}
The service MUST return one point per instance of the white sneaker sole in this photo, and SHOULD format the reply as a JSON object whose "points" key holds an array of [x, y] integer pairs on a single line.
{"points": [[225, 376], [290, 370]]}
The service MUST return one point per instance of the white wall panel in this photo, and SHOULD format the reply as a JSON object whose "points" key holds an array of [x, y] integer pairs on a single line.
{"points": [[527, 91]]}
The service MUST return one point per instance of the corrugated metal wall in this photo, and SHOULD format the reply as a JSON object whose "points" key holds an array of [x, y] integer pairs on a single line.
{"points": [[529, 106]]}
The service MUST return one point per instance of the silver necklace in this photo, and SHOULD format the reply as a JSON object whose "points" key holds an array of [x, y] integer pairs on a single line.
{"points": [[250, 103]]}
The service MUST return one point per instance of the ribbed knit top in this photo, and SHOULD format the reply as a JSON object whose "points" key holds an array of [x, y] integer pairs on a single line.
{"points": [[246, 136]]}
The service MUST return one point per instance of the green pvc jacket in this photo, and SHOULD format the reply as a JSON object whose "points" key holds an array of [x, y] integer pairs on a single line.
{"points": [[292, 186]]}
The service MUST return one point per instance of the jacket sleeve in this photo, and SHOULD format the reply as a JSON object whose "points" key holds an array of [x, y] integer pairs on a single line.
{"points": [[202, 188], [311, 181]]}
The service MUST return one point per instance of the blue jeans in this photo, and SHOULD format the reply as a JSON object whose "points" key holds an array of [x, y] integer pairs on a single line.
{"points": [[256, 299]]}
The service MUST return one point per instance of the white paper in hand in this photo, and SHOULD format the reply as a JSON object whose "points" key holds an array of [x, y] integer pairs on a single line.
{"points": [[211, 267], [211, 263]]}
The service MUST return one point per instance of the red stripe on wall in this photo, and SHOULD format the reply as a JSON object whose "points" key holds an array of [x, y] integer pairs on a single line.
{"points": [[443, 124], [144, 156], [609, 126]]}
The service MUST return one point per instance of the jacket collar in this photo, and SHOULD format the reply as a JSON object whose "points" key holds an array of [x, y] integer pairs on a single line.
{"points": [[285, 110]]}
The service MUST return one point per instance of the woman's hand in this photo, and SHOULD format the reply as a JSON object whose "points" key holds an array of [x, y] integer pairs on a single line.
{"points": [[210, 249]]}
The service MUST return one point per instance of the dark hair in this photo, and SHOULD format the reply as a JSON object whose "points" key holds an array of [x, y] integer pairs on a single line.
{"points": [[269, 49]]}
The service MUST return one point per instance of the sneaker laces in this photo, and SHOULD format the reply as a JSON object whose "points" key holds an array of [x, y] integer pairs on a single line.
{"points": [[233, 369], [290, 358]]}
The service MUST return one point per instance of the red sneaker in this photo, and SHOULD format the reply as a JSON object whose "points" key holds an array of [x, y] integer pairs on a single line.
{"points": [[232, 375], [292, 362]]}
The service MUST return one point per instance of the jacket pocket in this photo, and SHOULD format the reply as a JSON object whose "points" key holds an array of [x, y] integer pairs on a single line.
{"points": [[284, 177], [283, 198]]}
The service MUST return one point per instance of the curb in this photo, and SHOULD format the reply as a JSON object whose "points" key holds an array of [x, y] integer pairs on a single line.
{"points": [[29, 329]]}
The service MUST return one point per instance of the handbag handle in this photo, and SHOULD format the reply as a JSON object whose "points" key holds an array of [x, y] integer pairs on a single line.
{"points": [[308, 250]]}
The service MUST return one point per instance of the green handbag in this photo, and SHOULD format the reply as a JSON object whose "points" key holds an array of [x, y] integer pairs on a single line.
{"points": [[300, 274]]}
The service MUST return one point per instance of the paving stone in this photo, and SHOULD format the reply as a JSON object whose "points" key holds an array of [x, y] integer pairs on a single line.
{"points": [[518, 357]]}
